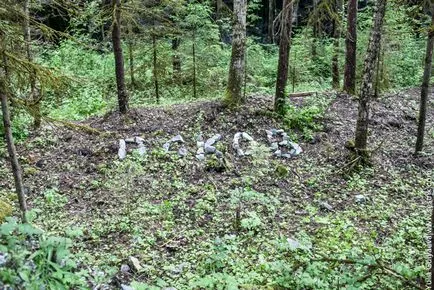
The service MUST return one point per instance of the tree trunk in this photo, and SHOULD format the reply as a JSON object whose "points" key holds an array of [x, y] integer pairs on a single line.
{"points": [[271, 7], [336, 38], [176, 60], [219, 7], [131, 57], [234, 93], [194, 65], [284, 49], [425, 85], [368, 77], [154, 71], [315, 32], [351, 49], [119, 58], [36, 106], [378, 75], [16, 169]]}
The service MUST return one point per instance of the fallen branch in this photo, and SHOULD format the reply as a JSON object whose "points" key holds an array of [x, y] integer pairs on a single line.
{"points": [[302, 94], [70, 125]]}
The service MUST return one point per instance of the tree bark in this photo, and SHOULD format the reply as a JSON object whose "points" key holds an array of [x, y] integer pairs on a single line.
{"points": [[271, 8], [154, 71], [284, 49], [119, 58], [425, 85], [368, 77], [16, 169], [351, 49], [336, 37], [194, 65], [219, 7], [36, 105], [378, 74], [131, 57], [315, 31], [176, 60], [234, 93]]}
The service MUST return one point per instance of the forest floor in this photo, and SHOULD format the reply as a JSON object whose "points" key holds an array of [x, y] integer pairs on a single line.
{"points": [[203, 224]]}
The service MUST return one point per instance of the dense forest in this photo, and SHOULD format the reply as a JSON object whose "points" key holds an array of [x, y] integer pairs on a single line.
{"points": [[216, 144]]}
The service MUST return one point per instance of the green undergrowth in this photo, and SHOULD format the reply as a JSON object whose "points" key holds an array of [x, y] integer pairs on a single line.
{"points": [[258, 229]]}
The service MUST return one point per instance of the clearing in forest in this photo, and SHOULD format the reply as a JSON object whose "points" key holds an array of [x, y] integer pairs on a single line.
{"points": [[236, 221]]}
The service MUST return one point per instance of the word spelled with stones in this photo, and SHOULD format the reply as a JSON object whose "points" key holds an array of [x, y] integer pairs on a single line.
{"points": [[179, 141], [280, 144], [207, 147], [236, 144], [138, 141]]}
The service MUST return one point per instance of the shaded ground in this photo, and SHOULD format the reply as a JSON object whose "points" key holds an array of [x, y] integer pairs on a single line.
{"points": [[186, 222]]}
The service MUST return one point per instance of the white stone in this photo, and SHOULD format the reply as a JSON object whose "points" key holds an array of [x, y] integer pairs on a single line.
{"points": [[122, 153], [177, 138], [141, 149], [247, 137], [136, 264]]}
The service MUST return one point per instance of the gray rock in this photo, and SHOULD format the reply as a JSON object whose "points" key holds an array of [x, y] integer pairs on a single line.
{"points": [[141, 149], [200, 143], [126, 287], [292, 152], [269, 136], [210, 149], [285, 137], [125, 268], [199, 138], [325, 205], [182, 152], [177, 139], [134, 262], [280, 131], [360, 198], [238, 136], [278, 153], [274, 146], [139, 140], [293, 244], [287, 155], [130, 140], [297, 148], [219, 154], [122, 153], [283, 143], [213, 140], [248, 153], [247, 137], [200, 157], [240, 153], [200, 151], [166, 147], [236, 145]]}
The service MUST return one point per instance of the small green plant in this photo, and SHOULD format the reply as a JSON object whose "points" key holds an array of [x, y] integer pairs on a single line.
{"points": [[29, 259], [306, 118], [54, 199]]}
